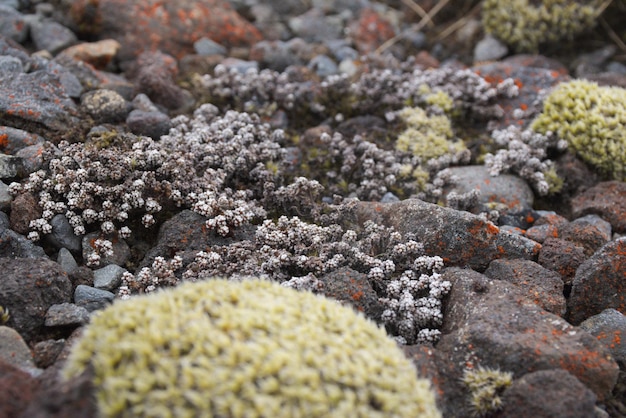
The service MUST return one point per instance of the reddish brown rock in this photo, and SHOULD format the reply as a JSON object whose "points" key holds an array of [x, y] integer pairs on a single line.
{"points": [[172, 27], [98, 54], [16, 390], [24, 208], [563, 257], [607, 199], [371, 31], [600, 283], [490, 323]]}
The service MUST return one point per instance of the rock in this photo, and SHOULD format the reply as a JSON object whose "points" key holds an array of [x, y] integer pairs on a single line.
{"points": [[67, 261], [542, 286], [62, 235], [17, 390], [46, 352], [548, 394], [370, 31], [14, 245], [12, 139], [149, 25], [490, 323], [98, 54], [599, 283], [13, 349], [108, 277], [152, 124], [28, 288], [10, 66], [489, 49], [105, 106], [609, 327], [37, 102], [563, 257], [92, 299], [121, 250], [460, 238], [275, 55], [154, 73], [352, 288], [323, 66], [508, 193], [24, 208], [73, 398], [66, 314], [12, 24], [606, 199], [520, 110], [11, 167], [206, 46], [589, 232], [315, 26], [51, 36]]}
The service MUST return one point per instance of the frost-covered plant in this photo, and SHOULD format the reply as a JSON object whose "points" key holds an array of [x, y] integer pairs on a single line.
{"points": [[413, 302], [214, 165], [526, 155]]}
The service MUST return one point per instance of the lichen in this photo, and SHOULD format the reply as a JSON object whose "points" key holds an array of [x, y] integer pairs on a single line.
{"points": [[250, 348], [525, 25], [592, 119]]}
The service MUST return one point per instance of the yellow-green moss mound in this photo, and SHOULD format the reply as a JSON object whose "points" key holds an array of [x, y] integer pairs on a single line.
{"points": [[592, 119], [525, 24], [249, 349]]}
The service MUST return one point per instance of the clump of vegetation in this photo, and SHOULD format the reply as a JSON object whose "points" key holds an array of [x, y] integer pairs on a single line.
{"points": [[485, 386]]}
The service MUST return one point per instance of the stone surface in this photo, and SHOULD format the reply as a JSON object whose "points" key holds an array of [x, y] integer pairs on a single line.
{"points": [[108, 277], [542, 286], [172, 27], [66, 314], [17, 390], [28, 288], [563, 257], [98, 54], [600, 283], [13, 349], [548, 394], [370, 31], [460, 238], [105, 106], [609, 327], [589, 232], [607, 199], [506, 192], [46, 352], [92, 299], [490, 323]]}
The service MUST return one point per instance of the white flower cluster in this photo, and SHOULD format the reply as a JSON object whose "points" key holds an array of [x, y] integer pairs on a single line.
{"points": [[148, 279], [414, 300], [525, 155]]}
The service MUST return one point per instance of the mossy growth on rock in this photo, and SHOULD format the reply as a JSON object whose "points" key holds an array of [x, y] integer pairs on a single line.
{"points": [[592, 119], [221, 348], [427, 136], [486, 387], [525, 25]]}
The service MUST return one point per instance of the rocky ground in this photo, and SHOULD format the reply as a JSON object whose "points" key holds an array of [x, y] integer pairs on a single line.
{"points": [[145, 143]]}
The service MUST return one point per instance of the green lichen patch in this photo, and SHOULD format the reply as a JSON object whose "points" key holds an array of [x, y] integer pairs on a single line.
{"points": [[592, 119], [220, 348], [525, 24], [427, 136]]}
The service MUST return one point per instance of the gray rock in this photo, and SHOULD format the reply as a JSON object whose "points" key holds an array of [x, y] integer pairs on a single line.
{"points": [[9, 66], [105, 105], [108, 277], [62, 235], [65, 314], [599, 283], [5, 197], [28, 288], [38, 103], [67, 261], [92, 299], [14, 245], [46, 352], [590, 232], [563, 257], [32, 157], [206, 46], [152, 124], [490, 323], [323, 66], [489, 49], [51, 36], [609, 327], [17, 139], [542, 286], [11, 166], [548, 394], [315, 26], [12, 24], [143, 102], [121, 250], [460, 238], [14, 350], [508, 193]]}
